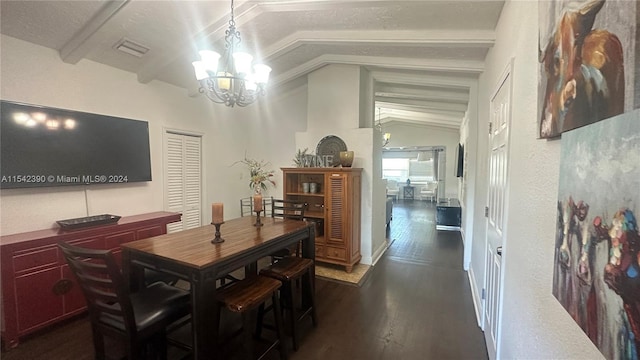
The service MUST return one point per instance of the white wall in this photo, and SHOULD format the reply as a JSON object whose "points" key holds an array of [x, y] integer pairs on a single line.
{"points": [[406, 134], [334, 109], [534, 324], [36, 75]]}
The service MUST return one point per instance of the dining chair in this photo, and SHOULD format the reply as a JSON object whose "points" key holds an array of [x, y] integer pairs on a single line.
{"points": [[392, 189], [288, 267], [430, 190], [140, 320], [246, 206], [287, 209]]}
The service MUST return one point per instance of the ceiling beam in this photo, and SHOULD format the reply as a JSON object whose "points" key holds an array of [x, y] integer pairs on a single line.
{"points": [[461, 66], [419, 109], [436, 123], [425, 80], [77, 47], [433, 38], [400, 92]]}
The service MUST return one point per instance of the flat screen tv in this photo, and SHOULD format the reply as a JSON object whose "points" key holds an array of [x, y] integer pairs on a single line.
{"points": [[42, 146]]}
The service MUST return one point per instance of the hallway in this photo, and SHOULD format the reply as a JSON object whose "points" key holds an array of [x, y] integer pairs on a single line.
{"points": [[415, 304]]}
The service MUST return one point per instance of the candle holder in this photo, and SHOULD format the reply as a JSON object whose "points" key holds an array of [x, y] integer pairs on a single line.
{"points": [[258, 223], [217, 239]]}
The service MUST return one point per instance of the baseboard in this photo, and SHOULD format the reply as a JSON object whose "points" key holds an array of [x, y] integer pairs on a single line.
{"points": [[381, 250], [477, 301]]}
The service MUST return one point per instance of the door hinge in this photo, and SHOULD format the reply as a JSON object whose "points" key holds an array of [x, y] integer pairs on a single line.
{"points": [[490, 127], [486, 211], [483, 294]]}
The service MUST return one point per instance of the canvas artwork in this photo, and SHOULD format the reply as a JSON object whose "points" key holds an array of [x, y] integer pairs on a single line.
{"points": [[589, 56], [597, 249]]}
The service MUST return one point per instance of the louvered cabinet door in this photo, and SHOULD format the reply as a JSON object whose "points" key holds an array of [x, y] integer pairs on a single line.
{"points": [[337, 209]]}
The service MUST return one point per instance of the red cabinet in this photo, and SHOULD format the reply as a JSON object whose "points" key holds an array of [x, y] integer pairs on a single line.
{"points": [[38, 288]]}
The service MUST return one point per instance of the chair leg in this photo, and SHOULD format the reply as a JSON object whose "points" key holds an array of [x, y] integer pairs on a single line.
{"points": [[277, 315], [260, 321], [289, 290], [248, 337], [160, 345], [311, 299], [98, 344]]}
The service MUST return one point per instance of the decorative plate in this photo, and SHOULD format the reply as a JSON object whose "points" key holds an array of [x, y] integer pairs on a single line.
{"points": [[330, 145]]}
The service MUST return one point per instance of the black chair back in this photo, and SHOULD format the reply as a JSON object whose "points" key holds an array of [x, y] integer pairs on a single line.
{"points": [[103, 286], [288, 209]]}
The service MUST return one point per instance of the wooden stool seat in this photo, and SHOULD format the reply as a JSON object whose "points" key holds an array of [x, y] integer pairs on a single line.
{"points": [[245, 295], [289, 271], [248, 294]]}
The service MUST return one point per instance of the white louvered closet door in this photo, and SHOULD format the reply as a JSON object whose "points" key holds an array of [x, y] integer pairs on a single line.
{"points": [[183, 179]]}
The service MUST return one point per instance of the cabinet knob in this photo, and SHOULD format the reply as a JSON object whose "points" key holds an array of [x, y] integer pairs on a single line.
{"points": [[62, 286]]}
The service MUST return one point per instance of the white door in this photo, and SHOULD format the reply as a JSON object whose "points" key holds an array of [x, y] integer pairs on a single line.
{"points": [[183, 179], [499, 118]]}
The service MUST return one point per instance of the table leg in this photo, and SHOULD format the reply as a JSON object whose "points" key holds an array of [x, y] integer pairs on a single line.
{"points": [[204, 316], [309, 251]]}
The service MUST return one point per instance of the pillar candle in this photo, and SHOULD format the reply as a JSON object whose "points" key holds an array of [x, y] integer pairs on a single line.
{"points": [[257, 203], [217, 213]]}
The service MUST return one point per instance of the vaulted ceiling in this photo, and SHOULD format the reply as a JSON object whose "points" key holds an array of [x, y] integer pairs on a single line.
{"points": [[422, 53]]}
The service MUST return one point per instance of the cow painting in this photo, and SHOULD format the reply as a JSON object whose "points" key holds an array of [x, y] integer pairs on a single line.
{"points": [[584, 73]]}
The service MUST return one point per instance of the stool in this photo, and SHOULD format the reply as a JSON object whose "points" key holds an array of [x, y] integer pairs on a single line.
{"points": [[245, 295], [288, 271]]}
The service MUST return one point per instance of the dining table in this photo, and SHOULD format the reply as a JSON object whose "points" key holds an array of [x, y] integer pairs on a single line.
{"points": [[191, 256]]}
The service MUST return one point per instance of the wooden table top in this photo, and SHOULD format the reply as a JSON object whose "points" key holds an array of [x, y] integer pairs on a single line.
{"points": [[193, 247]]}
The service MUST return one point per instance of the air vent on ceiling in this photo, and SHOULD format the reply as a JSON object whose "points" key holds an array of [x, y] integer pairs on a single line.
{"points": [[130, 47]]}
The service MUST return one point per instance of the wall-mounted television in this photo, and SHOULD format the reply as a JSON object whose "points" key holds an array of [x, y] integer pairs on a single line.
{"points": [[42, 146]]}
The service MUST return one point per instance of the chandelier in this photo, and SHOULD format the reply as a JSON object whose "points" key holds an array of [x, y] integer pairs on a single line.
{"points": [[385, 136], [230, 79]]}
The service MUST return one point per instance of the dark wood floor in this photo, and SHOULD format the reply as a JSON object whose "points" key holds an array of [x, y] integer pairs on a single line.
{"points": [[415, 304]]}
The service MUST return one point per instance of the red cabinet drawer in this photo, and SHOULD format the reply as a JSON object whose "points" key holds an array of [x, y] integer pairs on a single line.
{"points": [[74, 299], [31, 259], [36, 301]]}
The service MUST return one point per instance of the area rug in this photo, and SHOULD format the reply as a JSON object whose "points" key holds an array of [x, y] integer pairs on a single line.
{"points": [[338, 274]]}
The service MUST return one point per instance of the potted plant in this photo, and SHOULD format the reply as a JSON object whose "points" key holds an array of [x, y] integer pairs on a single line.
{"points": [[259, 175], [299, 159]]}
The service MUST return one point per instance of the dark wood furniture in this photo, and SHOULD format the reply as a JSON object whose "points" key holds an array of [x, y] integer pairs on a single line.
{"points": [[448, 215], [245, 295], [138, 320], [335, 208], [290, 271], [38, 288], [246, 206], [288, 209], [408, 192], [190, 255]]}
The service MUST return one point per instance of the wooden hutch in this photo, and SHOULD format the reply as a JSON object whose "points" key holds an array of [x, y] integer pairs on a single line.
{"points": [[334, 206]]}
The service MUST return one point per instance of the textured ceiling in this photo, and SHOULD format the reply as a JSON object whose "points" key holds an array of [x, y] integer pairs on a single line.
{"points": [[406, 44]]}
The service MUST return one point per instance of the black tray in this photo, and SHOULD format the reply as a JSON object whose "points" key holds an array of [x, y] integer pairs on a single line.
{"points": [[88, 221]]}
